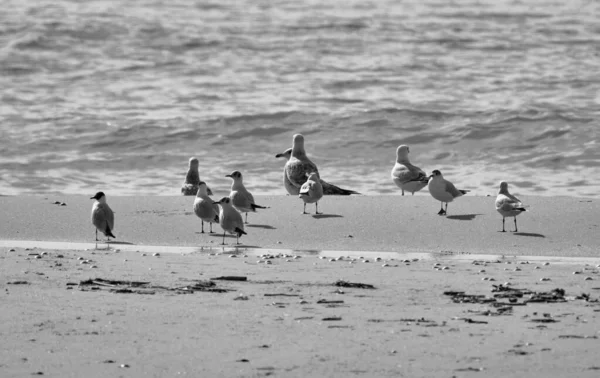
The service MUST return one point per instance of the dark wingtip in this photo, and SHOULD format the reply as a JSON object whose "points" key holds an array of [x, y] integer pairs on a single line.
{"points": [[240, 232]]}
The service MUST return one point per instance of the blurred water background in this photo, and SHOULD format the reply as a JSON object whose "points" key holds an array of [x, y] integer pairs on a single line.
{"points": [[117, 95]]}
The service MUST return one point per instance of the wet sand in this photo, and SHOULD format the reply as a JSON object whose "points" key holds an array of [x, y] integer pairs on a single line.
{"points": [[72, 313], [559, 226]]}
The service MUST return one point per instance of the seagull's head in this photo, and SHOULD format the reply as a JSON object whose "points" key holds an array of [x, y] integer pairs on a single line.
{"points": [[235, 175], [503, 187], [99, 196], [202, 189], [436, 173], [312, 176], [223, 201], [285, 154], [298, 146], [402, 152], [193, 162], [298, 139]]}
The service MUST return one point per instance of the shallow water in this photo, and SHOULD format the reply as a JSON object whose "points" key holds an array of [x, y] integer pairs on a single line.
{"points": [[117, 95]]}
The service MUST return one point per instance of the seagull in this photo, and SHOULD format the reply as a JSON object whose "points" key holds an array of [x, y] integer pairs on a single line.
{"points": [[230, 220], [508, 205], [192, 180], [241, 198], [102, 217], [311, 192], [204, 207], [443, 190], [297, 168], [405, 175]]}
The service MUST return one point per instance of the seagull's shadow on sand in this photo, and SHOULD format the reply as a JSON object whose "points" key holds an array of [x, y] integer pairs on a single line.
{"points": [[265, 226], [532, 234], [322, 216], [120, 242], [463, 217]]}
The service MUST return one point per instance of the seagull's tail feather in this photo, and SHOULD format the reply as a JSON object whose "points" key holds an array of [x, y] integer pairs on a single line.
{"points": [[216, 220], [255, 206], [464, 191], [332, 190], [109, 233], [240, 232]]}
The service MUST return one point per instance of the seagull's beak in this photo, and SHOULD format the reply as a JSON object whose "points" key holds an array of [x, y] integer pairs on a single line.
{"points": [[216, 203], [227, 175], [278, 155], [92, 197]]}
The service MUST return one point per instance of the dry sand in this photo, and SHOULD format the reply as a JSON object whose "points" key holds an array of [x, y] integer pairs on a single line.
{"points": [[275, 323]]}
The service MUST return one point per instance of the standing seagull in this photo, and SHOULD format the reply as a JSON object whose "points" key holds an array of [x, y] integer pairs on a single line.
{"points": [[204, 207], [299, 166], [508, 205], [192, 180], [102, 217], [240, 197], [443, 190], [405, 175], [311, 192], [230, 220]]}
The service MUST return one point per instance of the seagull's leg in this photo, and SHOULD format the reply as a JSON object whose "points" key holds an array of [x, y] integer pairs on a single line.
{"points": [[516, 225], [304, 209], [441, 212], [211, 227], [317, 208], [237, 238], [446, 211], [202, 227], [503, 230], [223, 238], [96, 238], [402, 191], [246, 222], [107, 245]]}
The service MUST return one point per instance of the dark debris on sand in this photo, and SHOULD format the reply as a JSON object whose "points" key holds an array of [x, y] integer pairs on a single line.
{"points": [[139, 287], [357, 285]]}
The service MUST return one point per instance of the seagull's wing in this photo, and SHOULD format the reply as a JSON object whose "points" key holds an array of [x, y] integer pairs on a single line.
{"points": [[450, 188], [408, 173], [506, 203]]}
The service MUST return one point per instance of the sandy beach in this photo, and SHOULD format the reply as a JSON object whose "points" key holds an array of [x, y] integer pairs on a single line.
{"points": [[438, 297]]}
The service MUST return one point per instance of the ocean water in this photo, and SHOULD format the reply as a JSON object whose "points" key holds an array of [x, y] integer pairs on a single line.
{"points": [[118, 95]]}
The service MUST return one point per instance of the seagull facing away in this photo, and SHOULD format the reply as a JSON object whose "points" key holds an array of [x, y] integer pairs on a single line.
{"points": [[192, 180], [443, 190], [311, 192], [508, 205], [204, 207], [230, 220], [241, 198], [297, 168], [102, 217], [405, 175]]}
